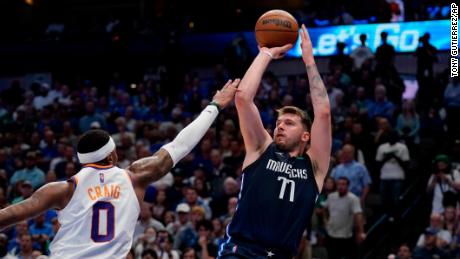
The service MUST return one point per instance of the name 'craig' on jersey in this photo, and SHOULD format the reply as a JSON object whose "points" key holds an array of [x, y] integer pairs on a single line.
{"points": [[277, 198], [99, 220]]}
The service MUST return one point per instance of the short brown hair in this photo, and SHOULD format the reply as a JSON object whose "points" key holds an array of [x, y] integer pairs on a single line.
{"points": [[306, 121]]}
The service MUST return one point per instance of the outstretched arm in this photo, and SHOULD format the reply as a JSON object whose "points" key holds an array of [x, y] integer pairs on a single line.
{"points": [[256, 138], [321, 135], [150, 169], [52, 195]]}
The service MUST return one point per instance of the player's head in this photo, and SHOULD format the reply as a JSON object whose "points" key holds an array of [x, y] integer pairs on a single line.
{"points": [[292, 128], [96, 146]]}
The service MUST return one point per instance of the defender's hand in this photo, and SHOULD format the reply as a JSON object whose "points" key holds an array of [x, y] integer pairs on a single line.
{"points": [[224, 96]]}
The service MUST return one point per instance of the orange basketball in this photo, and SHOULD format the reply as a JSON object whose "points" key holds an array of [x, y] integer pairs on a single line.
{"points": [[276, 28]]}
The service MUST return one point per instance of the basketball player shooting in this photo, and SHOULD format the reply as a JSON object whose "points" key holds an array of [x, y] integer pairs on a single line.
{"points": [[99, 206], [281, 177]]}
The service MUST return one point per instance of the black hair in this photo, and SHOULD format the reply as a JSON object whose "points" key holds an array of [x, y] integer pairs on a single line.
{"points": [[204, 223], [93, 140], [345, 179], [150, 252], [186, 250]]}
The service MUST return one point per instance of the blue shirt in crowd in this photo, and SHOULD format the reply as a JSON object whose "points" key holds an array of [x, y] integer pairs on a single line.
{"points": [[356, 173]]}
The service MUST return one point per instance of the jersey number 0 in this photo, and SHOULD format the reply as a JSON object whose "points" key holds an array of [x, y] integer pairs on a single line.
{"points": [[103, 222]]}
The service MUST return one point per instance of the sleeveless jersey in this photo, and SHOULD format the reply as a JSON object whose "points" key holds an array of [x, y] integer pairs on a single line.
{"points": [[276, 201], [99, 220]]}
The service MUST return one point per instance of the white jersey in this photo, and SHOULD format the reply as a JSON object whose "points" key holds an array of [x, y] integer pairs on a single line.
{"points": [[99, 220]]}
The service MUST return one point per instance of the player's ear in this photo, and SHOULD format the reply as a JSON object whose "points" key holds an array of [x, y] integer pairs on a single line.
{"points": [[305, 136], [113, 157]]}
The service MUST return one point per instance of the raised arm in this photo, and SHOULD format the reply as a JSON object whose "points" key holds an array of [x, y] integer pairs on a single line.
{"points": [[52, 195], [321, 135], [256, 138], [147, 170]]}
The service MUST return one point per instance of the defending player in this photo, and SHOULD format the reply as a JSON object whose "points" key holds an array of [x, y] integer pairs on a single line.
{"points": [[99, 206]]}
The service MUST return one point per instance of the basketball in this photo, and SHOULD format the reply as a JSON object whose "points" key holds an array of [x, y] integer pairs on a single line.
{"points": [[276, 28]]}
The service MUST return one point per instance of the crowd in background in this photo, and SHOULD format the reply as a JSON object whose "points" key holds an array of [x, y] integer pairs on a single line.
{"points": [[377, 140]]}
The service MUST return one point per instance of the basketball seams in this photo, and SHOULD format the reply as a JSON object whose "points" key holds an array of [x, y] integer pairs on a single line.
{"points": [[295, 25], [276, 28]]}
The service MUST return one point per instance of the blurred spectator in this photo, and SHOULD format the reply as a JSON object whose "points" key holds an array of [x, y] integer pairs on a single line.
{"points": [[428, 249], [69, 158], [183, 228], [164, 246], [25, 247], [25, 190], [384, 54], [361, 53], [160, 205], [444, 237], [3, 248], [31, 173], [122, 131], [149, 254], [231, 209], [381, 106], [144, 240], [451, 222], [393, 158], [42, 99], [182, 221], [218, 231], [341, 61], [408, 124], [426, 57], [189, 253], [354, 171], [90, 117], [146, 220], [397, 10], [206, 248], [192, 199], [41, 229], [21, 228], [444, 184], [383, 131], [404, 252], [344, 212]]}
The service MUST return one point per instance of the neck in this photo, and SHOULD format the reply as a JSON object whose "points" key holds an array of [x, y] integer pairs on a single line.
{"points": [[299, 151]]}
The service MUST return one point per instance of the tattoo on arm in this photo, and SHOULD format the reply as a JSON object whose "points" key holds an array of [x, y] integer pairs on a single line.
{"points": [[317, 89]]}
